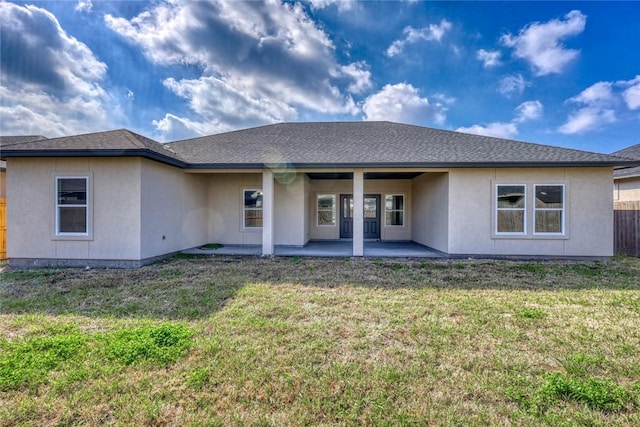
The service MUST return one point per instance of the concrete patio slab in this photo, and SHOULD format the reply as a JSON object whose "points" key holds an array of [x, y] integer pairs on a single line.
{"points": [[337, 248]]}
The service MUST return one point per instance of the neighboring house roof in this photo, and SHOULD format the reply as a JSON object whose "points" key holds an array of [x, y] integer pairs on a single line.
{"points": [[115, 143], [632, 152], [325, 145]]}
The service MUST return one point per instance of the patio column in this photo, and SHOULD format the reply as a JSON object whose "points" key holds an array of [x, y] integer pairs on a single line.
{"points": [[267, 212], [358, 212]]}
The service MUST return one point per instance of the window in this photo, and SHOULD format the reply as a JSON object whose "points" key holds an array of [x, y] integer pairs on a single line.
{"points": [[72, 209], [394, 209], [252, 209], [511, 209], [549, 209], [326, 209]]}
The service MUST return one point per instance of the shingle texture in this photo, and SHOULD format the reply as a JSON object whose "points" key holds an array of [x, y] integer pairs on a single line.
{"points": [[632, 152], [323, 144], [19, 139], [369, 143], [116, 141]]}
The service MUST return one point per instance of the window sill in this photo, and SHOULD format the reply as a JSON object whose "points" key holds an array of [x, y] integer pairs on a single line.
{"points": [[530, 237], [72, 237]]}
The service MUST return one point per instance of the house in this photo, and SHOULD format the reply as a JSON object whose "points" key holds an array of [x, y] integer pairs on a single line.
{"points": [[6, 141], [626, 182], [119, 199]]}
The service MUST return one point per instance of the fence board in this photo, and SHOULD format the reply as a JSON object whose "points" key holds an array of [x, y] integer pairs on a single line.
{"points": [[626, 228], [3, 228]]}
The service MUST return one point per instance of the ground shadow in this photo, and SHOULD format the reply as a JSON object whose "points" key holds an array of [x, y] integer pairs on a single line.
{"points": [[189, 287]]}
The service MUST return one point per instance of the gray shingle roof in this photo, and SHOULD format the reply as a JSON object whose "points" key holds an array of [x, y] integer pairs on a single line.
{"points": [[321, 145], [6, 140], [372, 143], [632, 152], [119, 142]]}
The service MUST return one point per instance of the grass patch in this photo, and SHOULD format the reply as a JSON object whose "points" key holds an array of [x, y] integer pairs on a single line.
{"points": [[299, 341], [532, 313], [28, 362], [162, 344], [600, 394]]}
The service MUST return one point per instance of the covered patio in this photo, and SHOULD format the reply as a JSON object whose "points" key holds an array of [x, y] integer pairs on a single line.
{"points": [[333, 248]]}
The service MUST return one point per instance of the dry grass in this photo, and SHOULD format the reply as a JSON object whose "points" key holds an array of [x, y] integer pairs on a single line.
{"points": [[325, 342]]}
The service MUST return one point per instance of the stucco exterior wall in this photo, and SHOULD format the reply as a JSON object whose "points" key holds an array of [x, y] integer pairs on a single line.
{"points": [[627, 189], [225, 208], [174, 209], [588, 212], [290, 210], [430, 214], [114, 208], [371, 186]]}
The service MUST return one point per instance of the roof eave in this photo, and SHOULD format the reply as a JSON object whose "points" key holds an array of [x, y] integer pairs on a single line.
{"points": [[153, 155], [141, 152], [403, 165]]}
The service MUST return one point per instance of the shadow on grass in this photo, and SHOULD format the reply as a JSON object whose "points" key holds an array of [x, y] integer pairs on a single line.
{"points": [[194, 287]]}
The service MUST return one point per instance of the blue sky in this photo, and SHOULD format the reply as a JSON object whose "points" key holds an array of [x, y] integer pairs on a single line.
{"points": [[558, 73]]}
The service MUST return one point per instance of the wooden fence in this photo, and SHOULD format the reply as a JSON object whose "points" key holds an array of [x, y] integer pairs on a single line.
{"points": [[626, 228], [3, 228]]}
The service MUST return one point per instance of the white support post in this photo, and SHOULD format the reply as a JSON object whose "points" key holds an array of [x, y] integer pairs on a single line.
{"points": [[267, 212], [358, 212]]}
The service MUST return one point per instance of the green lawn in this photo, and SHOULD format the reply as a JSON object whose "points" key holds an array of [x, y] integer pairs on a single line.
{"points": [[295, 341]]}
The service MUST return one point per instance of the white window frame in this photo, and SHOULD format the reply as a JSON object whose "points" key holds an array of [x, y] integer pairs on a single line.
{"points": [[404, 201], [562, 210], [245, 209], [86, 205], [498, 209], [333, 211]]}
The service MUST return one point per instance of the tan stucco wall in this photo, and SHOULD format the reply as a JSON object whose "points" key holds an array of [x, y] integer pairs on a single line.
{"points": [[372, 186], [626, 189], [290, 210], [430, 195], [589, 213], [225, 202], [114, 204], [225, 208], [174, 209]]}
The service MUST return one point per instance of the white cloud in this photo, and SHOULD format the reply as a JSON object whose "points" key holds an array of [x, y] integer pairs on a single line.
{"points": [[342, 5], [402, 103], [260, 62], [540, 43], [587, 119], [84, 6], [631, 94], [433, 32], [512, 85], [173, 128], [601, 104], [529, 110], [361, 77], [489, 58], [597, 109], [57, 88], [496, 129], [598, 94]]}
